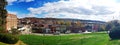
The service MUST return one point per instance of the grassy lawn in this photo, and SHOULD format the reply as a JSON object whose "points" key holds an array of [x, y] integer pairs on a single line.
{"points": [[3, 43], [18, 43], [75, 39]]}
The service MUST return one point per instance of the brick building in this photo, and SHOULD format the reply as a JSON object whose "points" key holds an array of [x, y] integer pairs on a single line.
{"points": [[11, 21]]}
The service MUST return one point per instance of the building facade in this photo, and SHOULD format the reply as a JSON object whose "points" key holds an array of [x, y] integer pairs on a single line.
{"points": [[11, 21]]}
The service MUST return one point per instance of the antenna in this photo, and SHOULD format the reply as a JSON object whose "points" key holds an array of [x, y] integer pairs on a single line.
{"points": [[113, 17], [119, 14]]}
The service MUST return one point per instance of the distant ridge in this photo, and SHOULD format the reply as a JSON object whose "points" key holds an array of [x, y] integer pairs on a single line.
{"points": [[66, 19]]}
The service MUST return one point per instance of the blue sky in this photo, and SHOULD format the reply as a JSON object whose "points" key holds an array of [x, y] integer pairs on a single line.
{"points": [[21, 7], [103, 10]]}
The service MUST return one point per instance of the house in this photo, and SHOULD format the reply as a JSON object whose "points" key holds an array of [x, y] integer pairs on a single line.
{"points": [[26, 29], [11, 21], [52, 25]]}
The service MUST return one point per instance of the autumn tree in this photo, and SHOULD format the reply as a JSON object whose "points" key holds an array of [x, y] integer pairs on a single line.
{"points": [[62, 22], [102, 28], [3, 14], [78, 23], [68, 23]]}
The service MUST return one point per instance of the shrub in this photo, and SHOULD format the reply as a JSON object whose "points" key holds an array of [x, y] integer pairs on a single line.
{"points": [[8, 38], [115, 33], [2, 29], [14, 31]]}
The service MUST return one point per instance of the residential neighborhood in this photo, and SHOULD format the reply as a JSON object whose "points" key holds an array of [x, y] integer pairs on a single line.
{"points": [[51, 25], [59, 22]]}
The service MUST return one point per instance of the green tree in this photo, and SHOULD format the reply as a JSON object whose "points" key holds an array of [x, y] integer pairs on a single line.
{"points": [[112, 24], [3, 14]]}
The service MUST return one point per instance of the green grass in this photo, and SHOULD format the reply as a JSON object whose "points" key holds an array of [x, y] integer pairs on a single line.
{"points": [[3, 43], [75, 39]]}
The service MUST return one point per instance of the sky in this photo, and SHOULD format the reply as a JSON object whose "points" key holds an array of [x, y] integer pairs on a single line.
{"points": [[102, 10]]}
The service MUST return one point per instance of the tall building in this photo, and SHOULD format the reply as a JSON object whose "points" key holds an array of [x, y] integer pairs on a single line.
{"points": [[11, 21]]}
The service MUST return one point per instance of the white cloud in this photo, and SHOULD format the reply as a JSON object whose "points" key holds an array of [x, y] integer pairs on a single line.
{"points": [[10, 2], [29, 0], [18, 15], [26, 0], [11, 12], [103, 10]]}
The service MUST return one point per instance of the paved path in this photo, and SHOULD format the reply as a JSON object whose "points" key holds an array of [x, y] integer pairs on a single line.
{"points": [[53, 34]]}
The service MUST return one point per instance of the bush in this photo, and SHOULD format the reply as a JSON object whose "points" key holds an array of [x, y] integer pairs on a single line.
{"points": [[2, 30], [14, 31], [115, 33], [8, 38]]}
